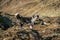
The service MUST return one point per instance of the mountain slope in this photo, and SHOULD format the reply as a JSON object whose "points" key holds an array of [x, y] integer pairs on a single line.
{"points": [[29, 7]]}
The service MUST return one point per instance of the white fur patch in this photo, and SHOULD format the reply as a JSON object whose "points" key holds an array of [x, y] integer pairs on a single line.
{"points": [[30, 27], [33, 19], [16, 14]]}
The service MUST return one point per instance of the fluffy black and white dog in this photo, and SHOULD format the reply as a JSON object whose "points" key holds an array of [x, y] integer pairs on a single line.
{"points": [[27, 20]]}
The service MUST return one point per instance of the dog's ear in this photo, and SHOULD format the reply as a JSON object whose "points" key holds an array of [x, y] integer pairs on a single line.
{"points": [[38, 16], [16, 14]]}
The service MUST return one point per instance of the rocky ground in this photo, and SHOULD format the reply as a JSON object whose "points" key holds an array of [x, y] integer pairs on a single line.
{"points": [[51, 31]]}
